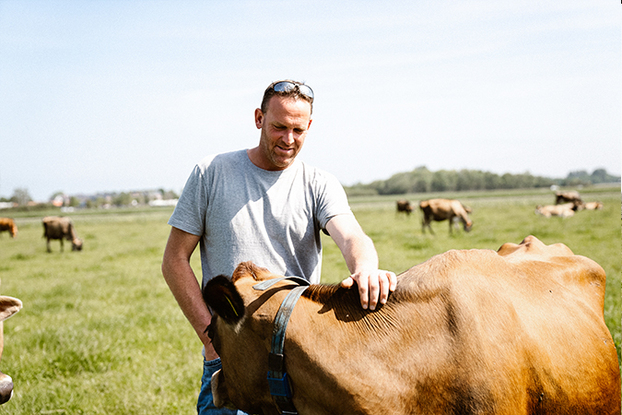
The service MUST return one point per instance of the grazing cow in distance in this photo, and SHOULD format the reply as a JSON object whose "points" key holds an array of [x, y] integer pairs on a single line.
{"points": [[565, 211], [444, 209], [8, 307], [56, 227], [404, 206], [517, 331], [8, 224], [593, 205], [568, 197]]}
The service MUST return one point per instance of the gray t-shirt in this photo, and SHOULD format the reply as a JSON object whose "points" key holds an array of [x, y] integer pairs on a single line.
{"points": [[245, 213]]}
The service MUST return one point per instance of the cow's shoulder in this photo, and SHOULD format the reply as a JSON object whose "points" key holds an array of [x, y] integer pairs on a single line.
{"points": [[443, 274]]}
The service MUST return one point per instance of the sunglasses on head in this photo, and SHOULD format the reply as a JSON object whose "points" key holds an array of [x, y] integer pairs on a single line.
{"points": [[287, 86]]}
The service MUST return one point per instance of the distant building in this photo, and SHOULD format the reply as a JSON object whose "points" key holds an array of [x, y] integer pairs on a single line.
{"points": [[160, 202]]}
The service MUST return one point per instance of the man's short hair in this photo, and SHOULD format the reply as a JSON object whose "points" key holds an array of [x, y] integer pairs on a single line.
{"points": [[295, 93]]}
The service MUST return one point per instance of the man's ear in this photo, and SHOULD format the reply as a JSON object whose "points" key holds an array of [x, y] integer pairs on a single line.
{"points": [[310, 121], [258, 118]]}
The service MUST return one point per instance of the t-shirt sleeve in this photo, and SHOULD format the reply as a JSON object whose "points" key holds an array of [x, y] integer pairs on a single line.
{"points": [[189, 214], [332, 199]]}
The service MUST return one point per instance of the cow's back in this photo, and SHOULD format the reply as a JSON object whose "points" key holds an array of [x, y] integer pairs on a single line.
{"points": [[525, 321], [56, 227], [436, 209], [443, 208]]}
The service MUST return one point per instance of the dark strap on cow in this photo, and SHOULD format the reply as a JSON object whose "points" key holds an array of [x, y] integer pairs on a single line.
{"points": [[277, 376], [264, 285]]}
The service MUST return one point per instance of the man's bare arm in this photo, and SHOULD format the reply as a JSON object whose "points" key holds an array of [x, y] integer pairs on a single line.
{"points": [[183, 284], [362, 261]]}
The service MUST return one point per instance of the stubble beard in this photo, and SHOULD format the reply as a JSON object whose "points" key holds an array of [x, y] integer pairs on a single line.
{"points": [[270, 152]]}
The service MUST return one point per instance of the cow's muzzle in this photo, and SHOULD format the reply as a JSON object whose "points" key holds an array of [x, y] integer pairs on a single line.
{"points": [[219, 391], [6, 388]]}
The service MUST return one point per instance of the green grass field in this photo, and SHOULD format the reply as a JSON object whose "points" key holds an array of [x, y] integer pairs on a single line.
{"points": [[100, 332]]}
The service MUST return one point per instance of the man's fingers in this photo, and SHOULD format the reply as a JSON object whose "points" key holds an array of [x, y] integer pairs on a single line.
{"points": [[392, 281], [362, 281], [385, 287], [347, 283], [363, 289], [374, 288]]}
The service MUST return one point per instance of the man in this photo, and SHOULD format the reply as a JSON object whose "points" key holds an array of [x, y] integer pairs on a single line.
{"points": [[265, 206]]}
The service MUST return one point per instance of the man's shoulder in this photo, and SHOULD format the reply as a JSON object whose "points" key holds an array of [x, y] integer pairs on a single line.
{"points": [[226, 157], [220, 160], [316, 173]]}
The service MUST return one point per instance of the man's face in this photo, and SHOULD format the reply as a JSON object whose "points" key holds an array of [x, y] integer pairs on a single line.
{"points": [[283, 131]]}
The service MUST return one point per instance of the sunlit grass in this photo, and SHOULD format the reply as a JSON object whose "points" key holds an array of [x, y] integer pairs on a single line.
{"points": [[100, 332]]}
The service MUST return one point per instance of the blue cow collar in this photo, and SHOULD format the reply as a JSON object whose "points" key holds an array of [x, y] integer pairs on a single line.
{"points": [[278, 380]]}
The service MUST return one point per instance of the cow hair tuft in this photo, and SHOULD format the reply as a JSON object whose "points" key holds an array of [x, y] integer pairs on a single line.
{"points": [[345, 304], [248, 268]]}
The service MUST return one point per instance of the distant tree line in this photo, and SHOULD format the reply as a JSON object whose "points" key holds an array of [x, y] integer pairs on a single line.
{"points": [[422, 180], [20, 196]]}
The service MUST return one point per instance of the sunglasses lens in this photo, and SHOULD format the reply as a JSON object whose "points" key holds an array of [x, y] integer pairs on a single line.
{"points": [[305, 90], [284, 87], [289, 86]]}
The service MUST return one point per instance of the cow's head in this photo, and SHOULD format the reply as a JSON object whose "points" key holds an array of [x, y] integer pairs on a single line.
{"points": [[241, 329], [76, 244], [468, 225], [8, 307]]}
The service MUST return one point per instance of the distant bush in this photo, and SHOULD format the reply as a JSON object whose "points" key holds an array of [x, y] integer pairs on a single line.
{"points": [[422, 180], [581, 177]]}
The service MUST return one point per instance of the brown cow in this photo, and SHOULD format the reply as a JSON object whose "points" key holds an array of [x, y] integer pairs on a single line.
{"points": [[519, 331], [404, 206], [444, 209], [8, 224], [593, 205], [565, 211], [8, 307], [568, 197], [56, 227]]}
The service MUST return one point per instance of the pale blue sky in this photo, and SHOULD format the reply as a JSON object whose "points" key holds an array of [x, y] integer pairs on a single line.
{"points": [[129, 95]]}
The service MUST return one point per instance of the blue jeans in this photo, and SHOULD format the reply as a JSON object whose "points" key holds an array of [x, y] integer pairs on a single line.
{"points": [[205, 404]]}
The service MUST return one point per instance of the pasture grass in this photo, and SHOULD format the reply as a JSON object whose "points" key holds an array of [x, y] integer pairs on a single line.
{"points": [[100, 333]]}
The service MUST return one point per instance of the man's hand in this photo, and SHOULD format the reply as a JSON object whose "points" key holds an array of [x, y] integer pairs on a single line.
{"points": [[374, 286], [362, 259]]}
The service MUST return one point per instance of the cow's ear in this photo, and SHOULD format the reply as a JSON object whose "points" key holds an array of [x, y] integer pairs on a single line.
{"points": [[221, 295], [9, 306]]}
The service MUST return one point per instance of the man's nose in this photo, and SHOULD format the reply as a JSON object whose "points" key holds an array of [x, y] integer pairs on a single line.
{"points": [[289, 136]]}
